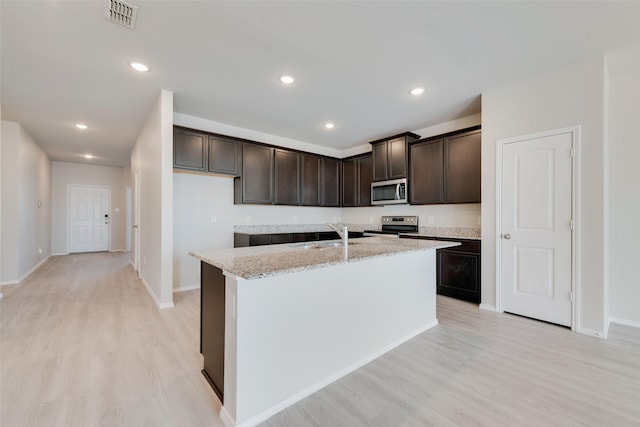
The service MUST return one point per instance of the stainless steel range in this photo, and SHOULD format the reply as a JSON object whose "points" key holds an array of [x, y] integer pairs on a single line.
{"points": [[393, 226]]}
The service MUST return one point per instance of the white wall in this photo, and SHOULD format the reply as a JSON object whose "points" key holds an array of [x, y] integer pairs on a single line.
{"points": [[624, 196], [465, 215], [197, 197], [571, 96], [26, 204], [64, 174], [152, 158], [10, 190]]}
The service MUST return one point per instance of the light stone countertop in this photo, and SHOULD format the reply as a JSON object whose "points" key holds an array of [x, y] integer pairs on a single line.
{"points": [[262, 261], [470, 233]]}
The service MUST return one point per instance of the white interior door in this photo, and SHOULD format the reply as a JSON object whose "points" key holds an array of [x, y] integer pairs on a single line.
{"points": [[89, 218], [536, 215]]}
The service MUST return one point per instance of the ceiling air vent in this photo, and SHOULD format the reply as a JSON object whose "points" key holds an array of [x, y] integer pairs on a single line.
{"points": [[121, 13]]}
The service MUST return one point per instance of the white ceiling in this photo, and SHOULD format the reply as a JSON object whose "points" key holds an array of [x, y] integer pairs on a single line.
{"points": [[354, 62]]}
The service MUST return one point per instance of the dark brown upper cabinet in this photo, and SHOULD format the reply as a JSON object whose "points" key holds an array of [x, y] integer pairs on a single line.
{"points": [[426, 178], [255, 186], [391, 156], [200, 151], [286, 177], [224, 155], [356, 181], [330, 182], [446, 169], [190, 149], [310, 180], [462, 161]]}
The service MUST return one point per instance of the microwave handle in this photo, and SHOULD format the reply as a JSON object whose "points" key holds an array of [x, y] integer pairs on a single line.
{"points": [[398, 191]]}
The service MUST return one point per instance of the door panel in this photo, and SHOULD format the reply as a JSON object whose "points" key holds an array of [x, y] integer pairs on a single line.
{"points": [[536, 264], [89, 218]]}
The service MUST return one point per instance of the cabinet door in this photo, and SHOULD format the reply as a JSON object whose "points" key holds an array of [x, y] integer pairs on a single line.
{"points": [[458, 275], [286, 178], [349, 182], [257, 173], [379, 152], [330, 182], [310, 185], [426, 173], [365, 173], [397, 158], [462, 168], [189, 150], [212, 325], [223, 155]]}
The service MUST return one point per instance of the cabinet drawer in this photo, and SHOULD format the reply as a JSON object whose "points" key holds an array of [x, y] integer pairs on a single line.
{"points": [[280, 238]]}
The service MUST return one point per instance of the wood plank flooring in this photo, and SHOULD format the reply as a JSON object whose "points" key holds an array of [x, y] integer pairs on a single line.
{"points": [[83, 344]]}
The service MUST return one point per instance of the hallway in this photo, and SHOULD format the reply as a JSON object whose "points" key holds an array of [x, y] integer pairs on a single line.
{"points": [[83, 344]]}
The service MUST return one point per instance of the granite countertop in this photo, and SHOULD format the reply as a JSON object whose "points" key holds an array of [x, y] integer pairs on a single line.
{"points": [[451, 232], [262, 261], [447, 233]]}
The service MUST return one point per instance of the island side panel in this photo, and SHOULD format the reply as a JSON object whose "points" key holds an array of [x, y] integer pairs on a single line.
{"points": [[212, 325], [296, 333]]}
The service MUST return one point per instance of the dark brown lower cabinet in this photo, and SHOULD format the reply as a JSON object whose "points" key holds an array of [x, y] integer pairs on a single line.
{"points": [[458, 271], [212, 325], [241, 240], [457, 268]]}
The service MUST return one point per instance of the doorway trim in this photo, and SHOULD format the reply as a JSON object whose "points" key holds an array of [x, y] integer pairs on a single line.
{"points": [[575, 132], [69, 186]]}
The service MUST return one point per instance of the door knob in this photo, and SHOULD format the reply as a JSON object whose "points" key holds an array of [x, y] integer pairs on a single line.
{"points": [[506, 236]]}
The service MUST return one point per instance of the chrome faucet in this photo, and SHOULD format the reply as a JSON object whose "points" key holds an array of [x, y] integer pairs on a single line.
{"points": [[342, 232]]}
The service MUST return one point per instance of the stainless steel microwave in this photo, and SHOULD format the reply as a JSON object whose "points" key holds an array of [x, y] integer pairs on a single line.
{"points": [[389, 192]]}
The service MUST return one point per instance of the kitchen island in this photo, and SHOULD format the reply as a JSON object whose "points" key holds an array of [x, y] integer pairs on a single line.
{"points": [[280, 322]]}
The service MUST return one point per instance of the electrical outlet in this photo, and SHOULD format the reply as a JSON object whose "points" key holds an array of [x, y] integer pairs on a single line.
{"points": [[214, 219], [40, 250]]}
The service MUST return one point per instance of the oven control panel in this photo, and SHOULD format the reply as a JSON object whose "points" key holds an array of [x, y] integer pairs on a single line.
{"points": [[400, 220]]}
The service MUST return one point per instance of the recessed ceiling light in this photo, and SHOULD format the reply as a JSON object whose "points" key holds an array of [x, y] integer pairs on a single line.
{"points": [[417, 91], [138, 66], [329, 125], [81, 126], [89, 156], [287, 80]]}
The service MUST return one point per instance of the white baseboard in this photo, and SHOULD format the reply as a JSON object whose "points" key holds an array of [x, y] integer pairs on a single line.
{"points": [[60, 254], [186, 288], [488, 307], [229, 421], [159, 304], [626, 322], [591, 333], [27, 274]]}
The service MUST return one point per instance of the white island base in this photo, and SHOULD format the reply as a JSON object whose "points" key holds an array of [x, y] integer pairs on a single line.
{"points": [[289, 335]]}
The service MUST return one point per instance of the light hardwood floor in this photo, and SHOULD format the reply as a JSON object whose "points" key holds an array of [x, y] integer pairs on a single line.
{"points": [[82, 344]]}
